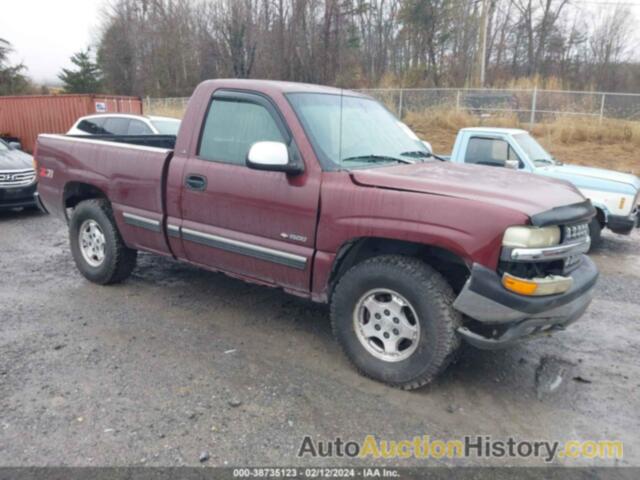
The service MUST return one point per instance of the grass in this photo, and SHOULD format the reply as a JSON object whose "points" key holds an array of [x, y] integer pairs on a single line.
{"points": [[613, 144], [174, 111]]}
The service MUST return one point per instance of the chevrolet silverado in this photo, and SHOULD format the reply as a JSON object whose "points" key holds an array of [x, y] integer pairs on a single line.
{"points": [[324, 193]]}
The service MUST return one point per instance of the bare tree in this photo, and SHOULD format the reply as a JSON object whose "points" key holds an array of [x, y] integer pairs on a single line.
{"points": [[609, 45], [165, 47]]}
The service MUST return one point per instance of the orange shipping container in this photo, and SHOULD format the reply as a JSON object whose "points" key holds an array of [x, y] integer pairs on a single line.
{"points": [[28, 116]]}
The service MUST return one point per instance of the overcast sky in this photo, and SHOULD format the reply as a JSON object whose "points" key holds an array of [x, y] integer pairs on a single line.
{"points": [[45, 33]]}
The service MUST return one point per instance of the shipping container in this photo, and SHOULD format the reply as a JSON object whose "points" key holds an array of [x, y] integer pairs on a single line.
{"points": [[25, 117]]}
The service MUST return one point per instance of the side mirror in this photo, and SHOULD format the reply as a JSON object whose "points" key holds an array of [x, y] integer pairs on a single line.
{"points": [[513, 164], [271, 156], [427, 146], [15, 146]]}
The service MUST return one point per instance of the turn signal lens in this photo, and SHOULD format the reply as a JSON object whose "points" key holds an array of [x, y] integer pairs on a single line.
{"points": [[531, 237], [551, 285], [518, 285]]}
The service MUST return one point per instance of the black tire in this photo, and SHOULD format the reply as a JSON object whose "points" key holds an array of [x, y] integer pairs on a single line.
{"points": [[119, 260], [595, 232], [430, 296]]}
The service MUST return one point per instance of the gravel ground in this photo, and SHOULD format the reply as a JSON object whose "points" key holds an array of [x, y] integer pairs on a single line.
{"points": [[178, 361]]}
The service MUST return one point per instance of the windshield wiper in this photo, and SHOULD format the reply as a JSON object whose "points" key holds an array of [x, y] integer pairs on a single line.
{"points": [[416, 153], [423, 154], [377, 158]]}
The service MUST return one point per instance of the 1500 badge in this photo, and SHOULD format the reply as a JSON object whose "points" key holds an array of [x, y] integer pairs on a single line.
{"points": [[293, 236]]}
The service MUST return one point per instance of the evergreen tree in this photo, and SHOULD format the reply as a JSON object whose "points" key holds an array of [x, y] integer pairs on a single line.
{"points": [[12, 79], [87, 78]]}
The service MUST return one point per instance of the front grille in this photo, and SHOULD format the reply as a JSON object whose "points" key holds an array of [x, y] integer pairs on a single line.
{"points": [[571, 263], [571, 234], [17, 178], [575, 233]]}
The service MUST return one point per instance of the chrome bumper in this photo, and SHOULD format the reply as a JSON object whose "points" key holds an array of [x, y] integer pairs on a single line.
{"points": [[546, 254]]}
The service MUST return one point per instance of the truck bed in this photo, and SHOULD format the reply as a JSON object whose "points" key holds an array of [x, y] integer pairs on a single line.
{"points": [[129, 171]]}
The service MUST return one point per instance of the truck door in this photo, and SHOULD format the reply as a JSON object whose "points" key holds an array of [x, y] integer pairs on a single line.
{"points": [[253, 223]]}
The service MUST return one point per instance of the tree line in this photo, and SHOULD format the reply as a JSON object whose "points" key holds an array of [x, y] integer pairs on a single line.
{"points": [[165, 47]]}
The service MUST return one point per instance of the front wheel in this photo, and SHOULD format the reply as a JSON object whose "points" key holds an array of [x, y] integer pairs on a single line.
{"points": [[395, 320], [595, 232], [96, 244]]}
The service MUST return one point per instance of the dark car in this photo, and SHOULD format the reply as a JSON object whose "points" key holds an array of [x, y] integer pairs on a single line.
{"points": [[17, 178]]}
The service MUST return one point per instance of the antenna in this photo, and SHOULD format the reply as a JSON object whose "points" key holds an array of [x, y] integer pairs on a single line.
{"points": [[340, 126]]}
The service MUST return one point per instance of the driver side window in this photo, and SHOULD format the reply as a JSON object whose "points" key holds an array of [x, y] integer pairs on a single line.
{"points": [[232, 127], [489, 151]]}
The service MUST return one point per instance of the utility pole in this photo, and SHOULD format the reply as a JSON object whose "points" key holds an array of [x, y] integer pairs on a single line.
{"points": [[484, 27]]}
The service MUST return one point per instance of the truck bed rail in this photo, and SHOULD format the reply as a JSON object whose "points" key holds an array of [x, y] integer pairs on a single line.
{"points": [[158, 141]]}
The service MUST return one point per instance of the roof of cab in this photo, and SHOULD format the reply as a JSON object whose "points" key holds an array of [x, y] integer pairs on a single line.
{"points": [[507, 131], [281, 86]]}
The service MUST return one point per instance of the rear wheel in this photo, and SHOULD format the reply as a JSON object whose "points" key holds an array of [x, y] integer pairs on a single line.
{"points": [[394, 318], [96, 244]]}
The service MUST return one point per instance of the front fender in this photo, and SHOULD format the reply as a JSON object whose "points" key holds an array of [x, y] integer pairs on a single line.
{"points": [[334, 239], [619, 203]]}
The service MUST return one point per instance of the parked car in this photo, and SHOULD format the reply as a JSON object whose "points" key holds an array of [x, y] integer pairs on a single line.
{"points": [[26, 116], [17, 178], [11, 140], [615, 195], [123, 124], [412, 254]]}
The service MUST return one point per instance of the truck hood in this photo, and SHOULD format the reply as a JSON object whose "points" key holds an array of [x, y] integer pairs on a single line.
{"points": [[15, 160], [523, 192], [592, 178]]}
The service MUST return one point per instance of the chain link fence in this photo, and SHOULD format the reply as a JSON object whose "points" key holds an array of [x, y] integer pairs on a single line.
{"points": [[527, 105], [169, 107]]}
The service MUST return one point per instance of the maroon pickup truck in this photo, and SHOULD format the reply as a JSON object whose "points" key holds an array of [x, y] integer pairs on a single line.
{"points": [[325, 194]]}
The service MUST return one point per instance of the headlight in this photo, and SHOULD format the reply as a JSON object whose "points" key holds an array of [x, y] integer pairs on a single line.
{"points": [[531, 237]]}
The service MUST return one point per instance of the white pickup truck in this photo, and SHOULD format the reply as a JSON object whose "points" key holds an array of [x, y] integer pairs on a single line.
{"points": [[615, 195]]}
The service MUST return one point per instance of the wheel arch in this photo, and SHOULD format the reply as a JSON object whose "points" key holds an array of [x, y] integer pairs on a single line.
{"points": [[451, 265], [602, 214], [76, 192]]}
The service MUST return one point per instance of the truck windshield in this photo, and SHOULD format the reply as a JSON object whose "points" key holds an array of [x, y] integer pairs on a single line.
{"points": [[3, 146], [534, 150], [355, 132]]}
